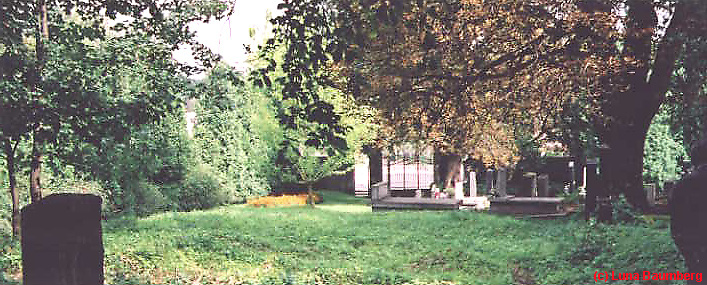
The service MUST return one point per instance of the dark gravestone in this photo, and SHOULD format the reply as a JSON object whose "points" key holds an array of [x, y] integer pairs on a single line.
{"points": [[530, 185], [543, 185], [501, 182], [556, 168], [62, 242], [573, 176]]}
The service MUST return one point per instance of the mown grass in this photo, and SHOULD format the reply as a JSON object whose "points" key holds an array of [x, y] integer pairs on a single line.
{"points": [[343, 242]]}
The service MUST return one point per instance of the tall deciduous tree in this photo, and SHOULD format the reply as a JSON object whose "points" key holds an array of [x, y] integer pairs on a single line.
{"points": [[463, 75], [632, 95]]}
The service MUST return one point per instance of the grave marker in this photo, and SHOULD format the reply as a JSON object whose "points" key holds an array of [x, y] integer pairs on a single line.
{"points": [[591, 187], [62, 241], [501, 182], [651, 193], [489, 181], [472, 184], [543, 185]]}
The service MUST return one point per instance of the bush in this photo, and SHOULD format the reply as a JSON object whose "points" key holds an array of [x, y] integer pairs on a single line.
{"points": [[238, 133], [201, 189], [10, 258]]}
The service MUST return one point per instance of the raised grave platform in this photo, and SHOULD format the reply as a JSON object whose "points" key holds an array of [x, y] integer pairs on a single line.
{"points": [[411, 203], [478, 203], [527, 205]]}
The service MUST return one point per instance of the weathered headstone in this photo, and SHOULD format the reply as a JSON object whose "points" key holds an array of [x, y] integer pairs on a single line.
{"points": [[591, 186], [530, 187], [458, 190], [489, 181], [472, 184], [651, 193], [584, 178], [62, 241], [573, 177], [543, 185], [501, 188], [459, 184]]}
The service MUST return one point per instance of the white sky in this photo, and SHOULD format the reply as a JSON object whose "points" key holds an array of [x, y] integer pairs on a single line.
{"points": [[227, 37]]}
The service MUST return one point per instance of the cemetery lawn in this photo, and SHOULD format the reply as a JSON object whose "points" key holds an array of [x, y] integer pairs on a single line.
{"points": [[343, 242]]}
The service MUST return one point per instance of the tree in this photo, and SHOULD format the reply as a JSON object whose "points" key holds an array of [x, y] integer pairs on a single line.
{"points": [[302, 31], [15, 73], [39, 102], [643, 82], [456, 75], [462, 74], [237, 133]]}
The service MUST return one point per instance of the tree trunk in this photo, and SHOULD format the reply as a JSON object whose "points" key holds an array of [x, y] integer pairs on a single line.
{"points": [[630, 112], [14, 198], [35, 187], [622, 165], [448, 166], [310, 195]]}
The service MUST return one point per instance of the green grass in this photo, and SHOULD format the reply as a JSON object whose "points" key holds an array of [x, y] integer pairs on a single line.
{"points": [[343, 242]]}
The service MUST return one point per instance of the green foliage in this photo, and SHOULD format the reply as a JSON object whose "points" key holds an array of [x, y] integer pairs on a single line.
{"points": [[140, 174], [663, 152], [202, 189], [10, 257], [310, 164], [622, 211], [303, 30], [97, 85], [237, 133], [303, 163]]}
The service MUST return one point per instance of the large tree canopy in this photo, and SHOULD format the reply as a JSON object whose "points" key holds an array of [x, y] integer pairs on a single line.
{"points": [[467, 76]]}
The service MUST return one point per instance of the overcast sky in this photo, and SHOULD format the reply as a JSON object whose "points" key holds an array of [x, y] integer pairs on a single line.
{"points": [[227, 37]]}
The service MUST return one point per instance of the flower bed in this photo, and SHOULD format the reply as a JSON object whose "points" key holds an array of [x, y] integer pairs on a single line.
{"points": [[284, 200]]}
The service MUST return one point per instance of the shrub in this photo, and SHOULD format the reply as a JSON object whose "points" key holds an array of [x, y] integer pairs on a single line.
{"points": [[201, 189], [145, 198]]}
